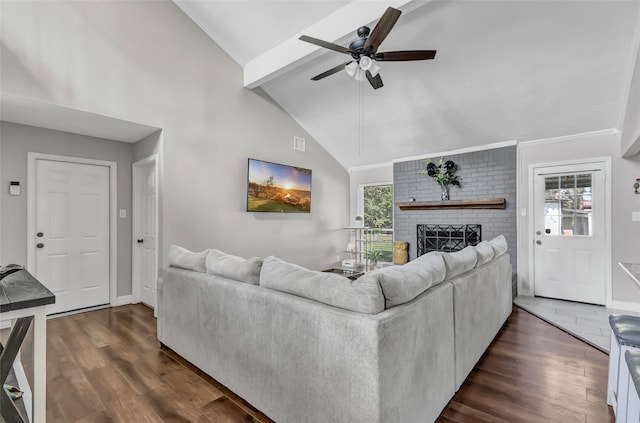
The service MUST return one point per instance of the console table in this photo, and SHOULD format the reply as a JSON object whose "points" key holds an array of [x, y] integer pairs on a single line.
{"points": [[23, 300]]}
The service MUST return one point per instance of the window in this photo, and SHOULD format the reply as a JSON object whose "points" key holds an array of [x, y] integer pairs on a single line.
{"points": [[568, 201], [376, 203]]}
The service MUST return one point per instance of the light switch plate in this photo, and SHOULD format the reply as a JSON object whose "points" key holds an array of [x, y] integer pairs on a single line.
{"points": [[635, 216], [123, 214]]}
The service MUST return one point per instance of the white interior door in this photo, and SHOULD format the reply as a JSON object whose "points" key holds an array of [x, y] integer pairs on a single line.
{"points": [[72, 233], [145, 262], [570, 236]]}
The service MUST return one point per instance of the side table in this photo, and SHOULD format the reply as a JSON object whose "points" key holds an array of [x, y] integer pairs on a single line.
{"points": [[23, 299], [353, 275]]}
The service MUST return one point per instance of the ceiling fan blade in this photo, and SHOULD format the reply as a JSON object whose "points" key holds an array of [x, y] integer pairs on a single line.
{"points": [[375, 81], [397, 56], [326, 44], [382, 29], [330, 72]]}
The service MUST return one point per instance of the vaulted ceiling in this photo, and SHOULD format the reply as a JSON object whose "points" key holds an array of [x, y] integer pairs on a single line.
{"points": [[517, 70]]}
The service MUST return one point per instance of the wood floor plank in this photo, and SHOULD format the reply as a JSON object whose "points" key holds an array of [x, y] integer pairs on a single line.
{"points": [[223, 410], [107, 366], [461, 413]]}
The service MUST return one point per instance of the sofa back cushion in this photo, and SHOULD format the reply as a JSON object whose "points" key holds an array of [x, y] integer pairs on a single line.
{"points": [[234, 267], [401, 284], [185, 259], [485, 253], [460, 262], [362, 295], [433, 263], [499, 245]]}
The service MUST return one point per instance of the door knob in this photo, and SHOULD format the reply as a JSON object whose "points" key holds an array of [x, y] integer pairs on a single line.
{"points": [[538, 242], [538, 233], [40, 245], [39, 234], [140, 241]]}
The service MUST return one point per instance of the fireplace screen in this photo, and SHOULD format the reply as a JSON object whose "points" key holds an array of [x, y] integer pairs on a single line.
{"points": [[447, 237]]}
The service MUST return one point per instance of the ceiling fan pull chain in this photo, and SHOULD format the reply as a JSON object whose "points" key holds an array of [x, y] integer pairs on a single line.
{"points": [[361, 117]]}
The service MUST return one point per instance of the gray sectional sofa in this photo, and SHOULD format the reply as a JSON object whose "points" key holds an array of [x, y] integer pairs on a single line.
{"points": [[305, 346]]}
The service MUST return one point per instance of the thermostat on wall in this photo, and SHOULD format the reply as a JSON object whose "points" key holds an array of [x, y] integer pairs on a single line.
{"points": [[14, 188]]}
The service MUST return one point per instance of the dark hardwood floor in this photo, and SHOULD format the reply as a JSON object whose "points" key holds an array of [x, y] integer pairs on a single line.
{"points": [[107, 366]]}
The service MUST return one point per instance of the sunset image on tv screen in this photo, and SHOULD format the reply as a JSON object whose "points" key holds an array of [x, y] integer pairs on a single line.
{"points": [[274, 187]]}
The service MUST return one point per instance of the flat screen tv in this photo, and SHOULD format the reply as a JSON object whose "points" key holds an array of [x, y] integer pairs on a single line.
{"points": [[274, 187]]}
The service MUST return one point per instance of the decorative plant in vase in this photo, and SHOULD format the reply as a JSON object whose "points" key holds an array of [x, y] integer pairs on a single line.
{"points": [[444, 173], [374, 256]]}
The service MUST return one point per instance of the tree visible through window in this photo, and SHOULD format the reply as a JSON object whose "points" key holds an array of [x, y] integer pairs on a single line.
{"points": [[378, 217]]}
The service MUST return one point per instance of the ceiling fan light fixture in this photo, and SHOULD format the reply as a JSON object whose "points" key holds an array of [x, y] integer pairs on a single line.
{"points": [[366, 63], [360, 75], [352, 69], [374, 69]]}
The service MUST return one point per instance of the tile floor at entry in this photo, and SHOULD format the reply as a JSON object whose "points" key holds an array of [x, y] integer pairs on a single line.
{"points": [[588, 322]]}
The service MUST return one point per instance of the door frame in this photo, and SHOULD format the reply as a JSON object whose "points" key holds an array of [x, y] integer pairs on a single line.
{"points": [[135, 208], [605, 162], [32, 157]]}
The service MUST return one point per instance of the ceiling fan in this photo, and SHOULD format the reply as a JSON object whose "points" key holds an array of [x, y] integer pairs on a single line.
{"points": [[364, 51]]}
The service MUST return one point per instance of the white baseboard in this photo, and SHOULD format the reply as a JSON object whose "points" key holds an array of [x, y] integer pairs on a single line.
{"points": [[625, 305], [123, 300]]}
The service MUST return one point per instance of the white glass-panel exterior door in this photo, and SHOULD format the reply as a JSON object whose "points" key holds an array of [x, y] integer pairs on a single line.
{"points": [[570, 236]]}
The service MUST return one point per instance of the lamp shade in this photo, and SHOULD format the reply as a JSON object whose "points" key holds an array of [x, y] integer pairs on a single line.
{"points": [[351, 68], [374, 69], [367, 64]]}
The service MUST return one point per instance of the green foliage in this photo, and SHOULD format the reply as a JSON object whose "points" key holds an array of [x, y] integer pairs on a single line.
{"points": [[378, 206], [374, 255], [444, 173]]}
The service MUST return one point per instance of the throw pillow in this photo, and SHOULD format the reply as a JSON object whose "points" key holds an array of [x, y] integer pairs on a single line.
{"points": [[460, 262], [485, 253], [185, 259], [234, 267], [499, 245], [362, 295]]}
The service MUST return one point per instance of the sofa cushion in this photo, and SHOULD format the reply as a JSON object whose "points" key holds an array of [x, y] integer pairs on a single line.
{"points": [[460, 262], [499, 245], [485, 253], [401, 284], [185, 259], [362, 295], [234, 267], [433, 263]]}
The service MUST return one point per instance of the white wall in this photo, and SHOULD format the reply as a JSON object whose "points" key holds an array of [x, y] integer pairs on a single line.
{"points": [[146, 62], [17, 141], [631, 128], [630, 122], [625, 234]]}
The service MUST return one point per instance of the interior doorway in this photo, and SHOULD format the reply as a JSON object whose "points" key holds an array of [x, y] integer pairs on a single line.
{"points": [[70, 237], [571, 248], [145, 229]]}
